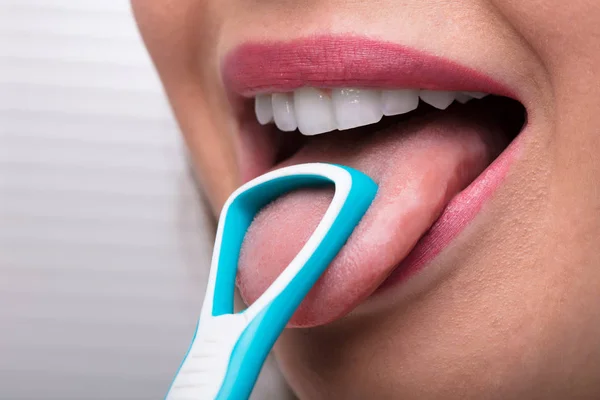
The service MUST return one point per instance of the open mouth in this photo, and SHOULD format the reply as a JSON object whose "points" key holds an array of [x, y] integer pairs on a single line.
{"points": [[437, 137]]}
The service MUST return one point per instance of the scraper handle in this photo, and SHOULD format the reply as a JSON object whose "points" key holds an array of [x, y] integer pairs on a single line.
{"points": [[238, 344]]}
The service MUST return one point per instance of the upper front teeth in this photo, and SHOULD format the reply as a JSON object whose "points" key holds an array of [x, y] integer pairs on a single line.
{"points": [[355, 107], [315, 111], [283, 111], [396, 102]]}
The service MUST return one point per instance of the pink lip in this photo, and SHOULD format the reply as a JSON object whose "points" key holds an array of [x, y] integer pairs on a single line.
{"points": [[327, 62]]}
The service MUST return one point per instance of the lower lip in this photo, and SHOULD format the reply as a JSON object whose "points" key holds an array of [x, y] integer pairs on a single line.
{"points": [[463, 208]]}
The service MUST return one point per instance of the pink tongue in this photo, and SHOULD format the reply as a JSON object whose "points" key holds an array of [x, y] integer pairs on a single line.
{"points": [[419, 165]]}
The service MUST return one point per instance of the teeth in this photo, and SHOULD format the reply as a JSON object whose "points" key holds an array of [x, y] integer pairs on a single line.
{"points": [[476, 95], [396, 102], [462, 98], [356, 107], [263, 109], [283, 111], [437, 99], [314, 111]]}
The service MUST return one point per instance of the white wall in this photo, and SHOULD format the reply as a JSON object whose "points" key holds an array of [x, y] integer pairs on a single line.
{"points": [[104, 243]]}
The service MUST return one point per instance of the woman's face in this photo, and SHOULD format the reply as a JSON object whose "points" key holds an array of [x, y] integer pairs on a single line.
{"points": [[476, 272]]}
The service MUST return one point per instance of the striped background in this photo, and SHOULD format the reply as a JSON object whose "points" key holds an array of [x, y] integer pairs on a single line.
{"points": [[104, 241]]}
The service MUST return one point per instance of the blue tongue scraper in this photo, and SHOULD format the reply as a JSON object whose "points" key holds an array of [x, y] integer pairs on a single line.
{"points": [[228, 349]]}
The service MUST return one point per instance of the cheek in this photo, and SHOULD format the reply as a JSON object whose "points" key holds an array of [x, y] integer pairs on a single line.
{"points": [[213, 162], [185, 62], [209, 138], [558, 32]]}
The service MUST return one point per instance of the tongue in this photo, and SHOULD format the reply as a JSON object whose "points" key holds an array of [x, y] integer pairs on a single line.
{"points": [[420, 165]]}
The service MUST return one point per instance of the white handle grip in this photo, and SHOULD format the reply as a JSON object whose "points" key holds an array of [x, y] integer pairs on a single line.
{"points": [[204, 367]]}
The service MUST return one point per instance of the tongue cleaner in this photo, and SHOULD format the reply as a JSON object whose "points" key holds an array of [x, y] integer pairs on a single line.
{"points": [[229, 349]]}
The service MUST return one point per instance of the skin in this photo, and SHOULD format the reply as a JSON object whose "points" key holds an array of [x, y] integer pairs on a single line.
{"points": [[518, 317]]}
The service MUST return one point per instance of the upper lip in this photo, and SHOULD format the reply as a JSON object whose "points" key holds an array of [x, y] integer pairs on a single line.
{"points": [[331, 61]]}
